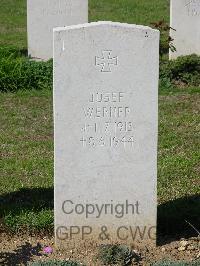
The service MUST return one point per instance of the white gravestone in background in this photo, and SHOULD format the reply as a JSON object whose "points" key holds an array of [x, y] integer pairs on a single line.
{"points": [[185, 24], [106, 119], [44, 15]]}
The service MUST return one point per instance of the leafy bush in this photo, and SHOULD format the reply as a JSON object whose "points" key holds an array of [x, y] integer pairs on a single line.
{"points": [[55, 263], [18, 72], [170, 263], [185, 70], [166, 42], [7, 51], [115, 254]]}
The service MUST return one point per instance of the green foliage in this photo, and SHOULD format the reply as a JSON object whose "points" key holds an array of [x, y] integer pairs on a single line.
{"points": [[115, 254], [165, 40], [26, 194], [30, 220], [28, 209], [170, 263], [13, 30], [185, 70], [55, 263], [6, 51], [18, 72]]}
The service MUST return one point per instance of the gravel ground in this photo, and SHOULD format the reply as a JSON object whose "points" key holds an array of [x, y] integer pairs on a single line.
{"points": [[21, 249]]}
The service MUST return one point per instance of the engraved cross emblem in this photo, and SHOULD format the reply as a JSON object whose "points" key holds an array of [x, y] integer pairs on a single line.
{"points": [[106, 61]]}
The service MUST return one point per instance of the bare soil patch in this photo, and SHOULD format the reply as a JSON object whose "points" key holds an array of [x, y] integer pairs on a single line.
{"points": [[19, 250]]}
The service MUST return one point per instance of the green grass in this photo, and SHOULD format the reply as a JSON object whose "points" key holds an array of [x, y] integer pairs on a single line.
{"points": [[178, 263], [178, 146], [130, 11], [55, 263], [17, 72], [13, 23], [13, 16], [26, 137]]}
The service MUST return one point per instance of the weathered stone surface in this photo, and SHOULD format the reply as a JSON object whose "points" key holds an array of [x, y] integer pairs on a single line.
{"points": [[106, 119], [44, 15], [185, 24]]}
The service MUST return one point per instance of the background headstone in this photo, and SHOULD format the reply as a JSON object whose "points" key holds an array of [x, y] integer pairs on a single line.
{"points": [[44, 15], [106, 119], [185, 20]]}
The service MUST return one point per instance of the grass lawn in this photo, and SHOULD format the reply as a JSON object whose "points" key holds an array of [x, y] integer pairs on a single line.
{"points": [[26, 137], [13, 23], [26, 132]]}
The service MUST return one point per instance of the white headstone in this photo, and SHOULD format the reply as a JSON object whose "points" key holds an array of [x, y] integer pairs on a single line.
{"points": [[44, 15], [185, 24], [106, 119]]}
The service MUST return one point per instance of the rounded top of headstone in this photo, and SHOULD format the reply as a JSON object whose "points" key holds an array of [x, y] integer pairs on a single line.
{"points": [[105, 23]]}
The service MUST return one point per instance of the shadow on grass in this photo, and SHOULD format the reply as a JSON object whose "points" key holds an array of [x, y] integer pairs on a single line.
{"points": [[172, 215], [6, 51], [174, 218], [23, 52], [25, 200], [21, 255]]}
